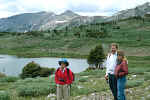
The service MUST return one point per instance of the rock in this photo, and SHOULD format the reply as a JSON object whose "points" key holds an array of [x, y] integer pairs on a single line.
{"points": [[84, 98], [133, 76], [53, 99], [85, 76], [92, 94], [147, 88], [128, 91], [51, 95], [91, 80], [79, 87], [148, 96], [96, 96], [142, 98], [94, 83]]}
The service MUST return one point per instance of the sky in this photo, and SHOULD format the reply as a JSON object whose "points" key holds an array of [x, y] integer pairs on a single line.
{"points": [[82, 7]]}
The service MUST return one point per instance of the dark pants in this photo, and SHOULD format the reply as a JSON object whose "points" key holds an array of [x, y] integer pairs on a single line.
{"points": [[113, 85]]}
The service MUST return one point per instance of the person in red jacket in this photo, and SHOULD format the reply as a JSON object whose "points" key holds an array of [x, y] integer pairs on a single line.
{"points": [[120, 72], [63, 79]]}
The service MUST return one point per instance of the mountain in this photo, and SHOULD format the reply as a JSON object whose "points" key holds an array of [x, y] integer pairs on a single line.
{"points": [[49, 20], [25, 22], [140, 10], [69, 13], [42, 21]]}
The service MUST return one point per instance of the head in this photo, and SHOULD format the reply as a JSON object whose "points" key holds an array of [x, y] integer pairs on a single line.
{"points": [[63, 63], [120, 55], [114, 47]]}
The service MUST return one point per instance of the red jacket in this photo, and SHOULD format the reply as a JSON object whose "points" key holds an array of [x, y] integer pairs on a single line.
{"points": [[63, 78], [122, 69]]}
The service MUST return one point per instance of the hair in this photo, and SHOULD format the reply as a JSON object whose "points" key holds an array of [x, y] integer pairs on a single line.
{"points": [[116, 45], [120, 53]]}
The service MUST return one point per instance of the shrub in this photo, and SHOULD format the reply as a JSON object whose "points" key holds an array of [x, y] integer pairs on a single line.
{"points": [[96, 33], [2, 75], [92, 72], [4, 95], [35, 33], [31, 70], [34, 89], [9, 79], [137, 71], [44, 72], [146, 76], [83, 79], [96, 56], [134, 83]]}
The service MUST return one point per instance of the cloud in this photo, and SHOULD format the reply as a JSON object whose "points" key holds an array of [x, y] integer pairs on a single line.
{"points": [[84, 7]]}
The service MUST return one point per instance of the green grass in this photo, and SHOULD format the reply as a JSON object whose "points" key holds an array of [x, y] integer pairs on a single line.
{"points": [[4, 95], [86, 82], [134, 83], [9, 79], [70, 46], [27, 46]]}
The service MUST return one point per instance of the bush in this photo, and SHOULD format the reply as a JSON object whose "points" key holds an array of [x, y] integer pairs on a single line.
{"points": [[44, 72], [134, 83], [4, 95], [146, 76], [83, 79], [35, 33], [137, 71], [92, 72], [9, 79], [96, 56], [31, 70], [2, 75], [34, 89]]}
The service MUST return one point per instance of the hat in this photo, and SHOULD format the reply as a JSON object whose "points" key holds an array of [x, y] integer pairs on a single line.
{"points": [[63, 60]]}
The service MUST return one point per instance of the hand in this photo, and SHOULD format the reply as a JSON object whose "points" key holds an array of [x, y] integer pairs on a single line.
{"points": [[106, 77]]}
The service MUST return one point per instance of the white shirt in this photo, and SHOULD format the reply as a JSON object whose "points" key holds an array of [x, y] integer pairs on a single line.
{"points": [[111, 63]]}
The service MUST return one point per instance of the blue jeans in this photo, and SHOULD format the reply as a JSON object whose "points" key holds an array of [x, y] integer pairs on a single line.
{"points": [[121, 88]]}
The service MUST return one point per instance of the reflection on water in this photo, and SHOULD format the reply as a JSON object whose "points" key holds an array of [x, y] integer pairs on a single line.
{"points": [[11, 65]]}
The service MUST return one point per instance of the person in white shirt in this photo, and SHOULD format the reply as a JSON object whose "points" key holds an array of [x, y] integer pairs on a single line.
{"points": [[111, 63]]}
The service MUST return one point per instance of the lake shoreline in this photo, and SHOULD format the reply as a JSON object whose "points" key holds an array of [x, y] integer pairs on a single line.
{"points": [[11, 62], [40, 55]]}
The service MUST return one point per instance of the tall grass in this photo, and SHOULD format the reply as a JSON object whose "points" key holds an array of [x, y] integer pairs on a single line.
{"points": [[9, 79], [36, 89], [4, 95]]}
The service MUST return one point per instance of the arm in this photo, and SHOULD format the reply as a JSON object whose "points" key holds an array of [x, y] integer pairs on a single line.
{"points": [[71, 76], [56, 78], [106, 64]]}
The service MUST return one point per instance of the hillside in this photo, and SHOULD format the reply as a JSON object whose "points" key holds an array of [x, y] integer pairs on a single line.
{"points": [[131, 34], [42, 21], [46, 21], [140, 10]]}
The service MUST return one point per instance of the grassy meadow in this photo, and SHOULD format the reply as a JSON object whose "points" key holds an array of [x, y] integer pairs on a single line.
{"points": [[86, 83], [133, 37]]}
